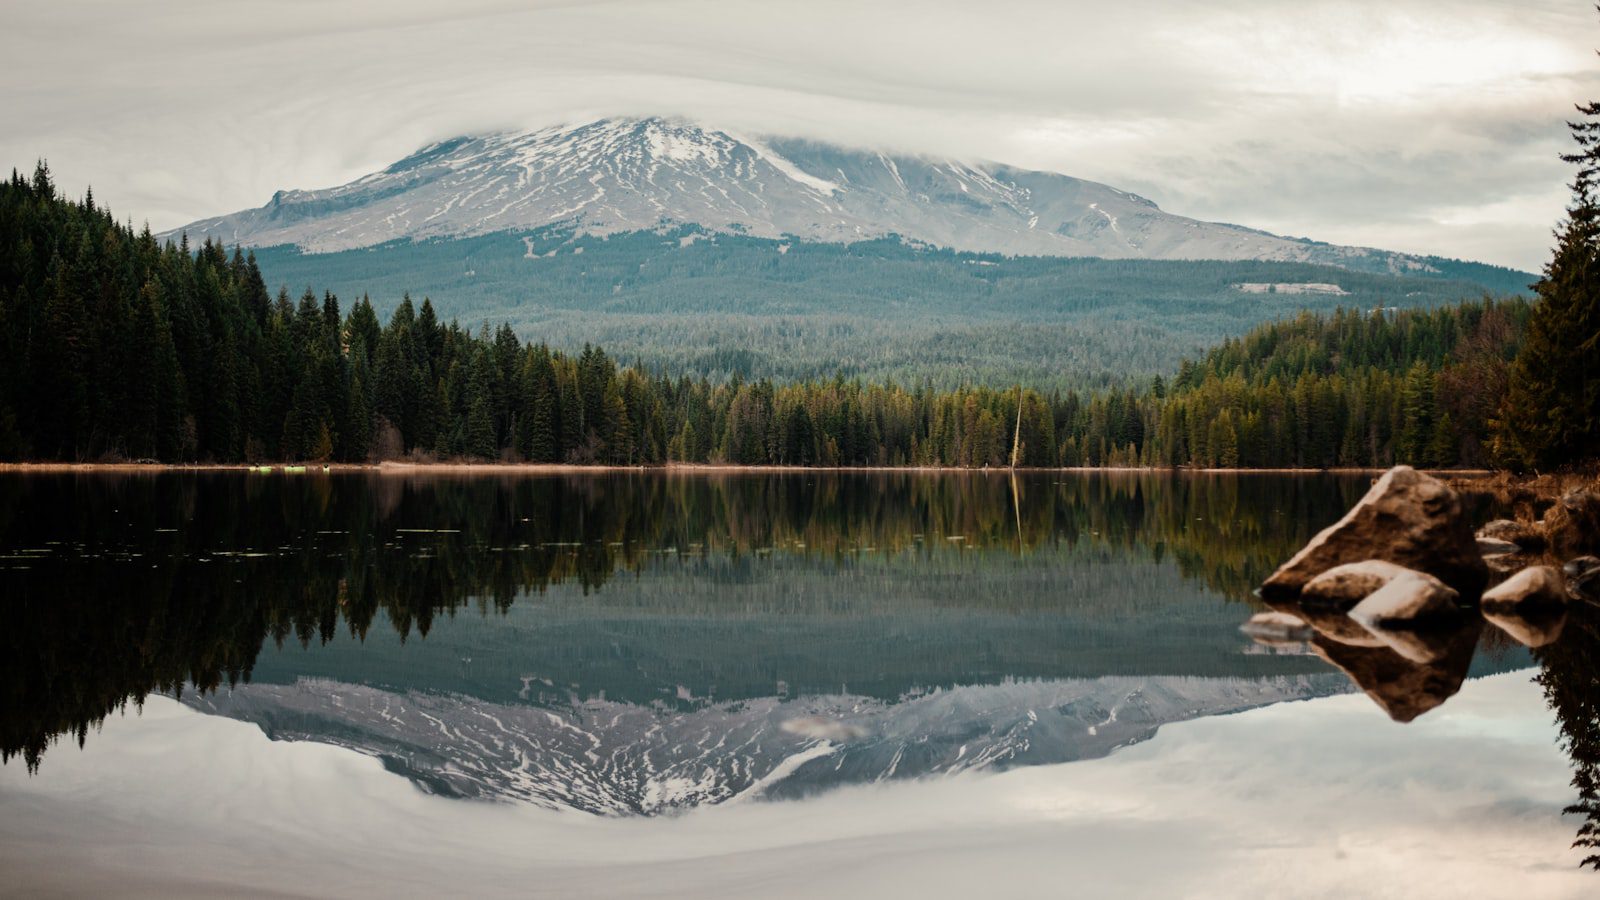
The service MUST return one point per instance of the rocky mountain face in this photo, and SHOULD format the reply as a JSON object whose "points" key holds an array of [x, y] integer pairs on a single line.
{"points": [[619, 175]]}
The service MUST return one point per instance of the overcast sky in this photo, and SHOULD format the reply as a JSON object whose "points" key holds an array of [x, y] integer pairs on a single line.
{"points": [[1415, 125]]}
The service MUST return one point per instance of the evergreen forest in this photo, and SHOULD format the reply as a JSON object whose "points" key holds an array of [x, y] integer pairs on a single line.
{"points": [[691, 302], [117, 346]]}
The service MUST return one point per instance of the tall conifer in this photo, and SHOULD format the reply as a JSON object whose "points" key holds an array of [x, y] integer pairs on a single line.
{"points": [[1551, 412]]}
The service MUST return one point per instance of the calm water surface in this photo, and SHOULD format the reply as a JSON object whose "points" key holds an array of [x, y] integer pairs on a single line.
{"points": [[635, 643]]}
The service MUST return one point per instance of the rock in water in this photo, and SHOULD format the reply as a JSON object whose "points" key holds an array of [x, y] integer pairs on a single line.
{"points": [[1407, 518], [1583, 578], [1496, 547], [1526, 536], [1345, 586], [1275, 628], [1410, 600], [1574, 523], [1407, 614], [1329, 596], [1535, 586]]}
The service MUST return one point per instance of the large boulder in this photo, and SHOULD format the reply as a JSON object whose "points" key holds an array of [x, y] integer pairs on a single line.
{"points": [[1327, 599], [1410, 600], [1411, 615], [1344, 586], [1573, 524], [1407, 518]]}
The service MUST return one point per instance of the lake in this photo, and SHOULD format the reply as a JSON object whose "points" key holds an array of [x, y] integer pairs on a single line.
{"points": [[646, 644]]}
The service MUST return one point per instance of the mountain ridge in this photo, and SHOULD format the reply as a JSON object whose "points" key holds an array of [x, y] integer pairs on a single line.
{"points": [[631, 174]]}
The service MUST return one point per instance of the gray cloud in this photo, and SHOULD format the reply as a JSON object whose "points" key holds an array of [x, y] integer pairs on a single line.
{"points": [[1414, 124]]}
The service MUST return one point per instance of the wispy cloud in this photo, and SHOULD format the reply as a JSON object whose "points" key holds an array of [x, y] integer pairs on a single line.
{"points": [[1413, 124]]}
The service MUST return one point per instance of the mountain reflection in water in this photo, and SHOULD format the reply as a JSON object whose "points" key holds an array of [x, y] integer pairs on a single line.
{"points": [[639, 642]]}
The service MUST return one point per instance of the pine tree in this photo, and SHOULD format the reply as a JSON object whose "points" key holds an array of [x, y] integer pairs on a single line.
{"points": [[144, 399], [394, 387], [10, 378], [694, 449], [1416, 406], [362, 329], [170, 390], [358, 433], [544, 443], [62, 391], [321, 444], [1443, 443], [479, 438], [1551, 412], [255, 290], [505, 354], [1224, 440], [618, 436]]}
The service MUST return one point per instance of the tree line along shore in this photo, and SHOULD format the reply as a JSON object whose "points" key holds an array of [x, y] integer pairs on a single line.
{"points": [[116, 347], [490, 467]]}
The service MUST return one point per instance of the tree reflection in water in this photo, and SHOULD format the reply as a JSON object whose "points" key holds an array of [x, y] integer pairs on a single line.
{"points": [[1570, 675], [120, 585]]}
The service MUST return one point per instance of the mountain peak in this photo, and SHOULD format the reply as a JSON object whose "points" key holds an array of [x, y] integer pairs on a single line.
{"points": [[635, 173]]}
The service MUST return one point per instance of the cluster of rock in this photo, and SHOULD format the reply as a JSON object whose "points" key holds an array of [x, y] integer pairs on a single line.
{"points": [[1394, 593]]}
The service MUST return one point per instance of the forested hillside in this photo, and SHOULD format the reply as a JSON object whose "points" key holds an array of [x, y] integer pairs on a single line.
{"points": [[1348, 389], [115, 346], [685, 301]]}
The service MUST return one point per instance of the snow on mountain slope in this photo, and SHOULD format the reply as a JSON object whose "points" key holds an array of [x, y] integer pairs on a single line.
{"points": [[632, 174]]}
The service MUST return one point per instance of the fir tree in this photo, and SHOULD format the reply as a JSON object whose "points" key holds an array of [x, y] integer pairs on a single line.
{"points": [[357, 434], [479, 436], [62, 390], [1551, 412], [1417, 414]]}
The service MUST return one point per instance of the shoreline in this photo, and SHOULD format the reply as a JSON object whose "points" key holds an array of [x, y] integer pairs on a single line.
{"points": [[393, 467]]}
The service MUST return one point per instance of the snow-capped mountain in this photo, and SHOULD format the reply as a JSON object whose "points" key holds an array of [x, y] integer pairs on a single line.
{"points": [[625, 174]]}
